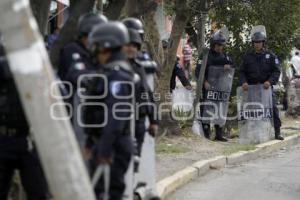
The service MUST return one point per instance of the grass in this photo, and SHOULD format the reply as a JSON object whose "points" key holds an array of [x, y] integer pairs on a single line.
{"points": [[234, 148], [164, 147]]}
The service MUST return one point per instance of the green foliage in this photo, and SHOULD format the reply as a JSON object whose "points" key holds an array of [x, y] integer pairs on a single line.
{"points": [[281, 18]]}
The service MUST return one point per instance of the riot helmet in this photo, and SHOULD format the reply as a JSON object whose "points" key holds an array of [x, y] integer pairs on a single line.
{"points": [[110, 35], [134, 23], [258, 34], [88, 21], [220, 37]]}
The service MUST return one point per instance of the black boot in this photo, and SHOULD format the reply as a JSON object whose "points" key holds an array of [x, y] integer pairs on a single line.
{"points": [[219, 134], [278, 135], [206, 130]]}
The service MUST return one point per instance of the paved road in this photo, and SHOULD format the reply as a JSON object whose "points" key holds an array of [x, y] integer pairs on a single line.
{"points": [[276, 177]]}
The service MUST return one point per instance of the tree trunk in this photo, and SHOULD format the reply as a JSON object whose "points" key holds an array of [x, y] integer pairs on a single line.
{"points": [[41, 13], [193, 35], [163, 84], [114, 9], [178, 28], [31, 68], [68, 32]]}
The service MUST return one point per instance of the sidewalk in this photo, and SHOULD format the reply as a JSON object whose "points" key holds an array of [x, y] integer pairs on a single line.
{"points": [[175, 153]]}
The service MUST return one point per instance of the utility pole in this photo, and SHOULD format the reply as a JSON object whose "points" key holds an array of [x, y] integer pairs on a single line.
{"points": [[34, 77]]}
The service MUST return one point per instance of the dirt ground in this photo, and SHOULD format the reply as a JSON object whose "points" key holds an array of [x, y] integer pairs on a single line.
{"points": [[177, 152]]}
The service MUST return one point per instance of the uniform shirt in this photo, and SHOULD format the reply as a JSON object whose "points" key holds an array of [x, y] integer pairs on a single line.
{"points": [[178, 72], [149, 66], [258, 68], [116, 132], [68, 56], [213, 59]]}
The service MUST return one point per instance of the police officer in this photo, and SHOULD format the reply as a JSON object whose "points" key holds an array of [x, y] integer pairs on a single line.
{"points": [[112, 144], [143, 66], [261, 66], [16, 149], [75, 60], [77, 50], [216, 57], [178, 72], [144, 95]]}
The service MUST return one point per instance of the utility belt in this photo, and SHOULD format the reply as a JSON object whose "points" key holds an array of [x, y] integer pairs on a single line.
{"points": [[13, 132]]}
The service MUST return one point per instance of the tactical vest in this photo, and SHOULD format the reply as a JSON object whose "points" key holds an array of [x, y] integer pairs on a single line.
{"points": [[93, 115]]}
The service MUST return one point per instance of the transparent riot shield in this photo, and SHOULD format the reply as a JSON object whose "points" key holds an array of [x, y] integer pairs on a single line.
{"points": [[294, 97], [216, 99], [295, 61], [145, 182], [78, 129], [182, 101], [255, 115]]}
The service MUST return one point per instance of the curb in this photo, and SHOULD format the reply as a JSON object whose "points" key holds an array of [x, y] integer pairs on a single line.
{"points": [[170, 184]]}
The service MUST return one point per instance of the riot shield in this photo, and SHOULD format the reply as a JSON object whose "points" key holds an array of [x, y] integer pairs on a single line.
{"points": [[145, 182], [294, 97], [216, 99], [182, 101], [295, 61], [255, 114]]}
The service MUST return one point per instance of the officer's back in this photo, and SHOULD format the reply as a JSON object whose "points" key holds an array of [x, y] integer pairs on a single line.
{"points": [[113, 145]]}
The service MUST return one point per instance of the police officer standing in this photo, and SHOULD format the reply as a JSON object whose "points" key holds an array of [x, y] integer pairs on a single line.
{"points": [[112, 144], [216, 57], [261, 66], [17, 152], [77, 50], [142, 88], [75, 60]]}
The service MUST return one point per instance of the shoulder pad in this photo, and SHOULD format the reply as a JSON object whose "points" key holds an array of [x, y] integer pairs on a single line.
{"points": [[79, 66], [136, 78], [143, 56], [76, 56], [118, 65], [115, 87]]}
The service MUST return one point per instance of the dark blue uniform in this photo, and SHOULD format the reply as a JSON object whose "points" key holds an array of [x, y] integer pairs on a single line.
{"points": [[69, 54], [114, 138], [178, 72], [16, 151], [75, 60], [214, 59], [258, 68], [144, 97]]}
